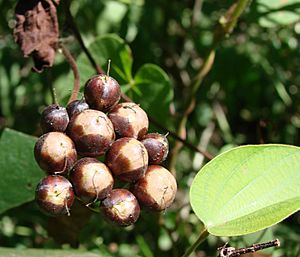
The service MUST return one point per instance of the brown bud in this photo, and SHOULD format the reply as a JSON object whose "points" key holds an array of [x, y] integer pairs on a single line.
{"points": [[55, 152], [157, 189], [54, 118], [92, 133], [127, 159], [121, 207], [102, 92], [129, 120], [157, 147], [91, 179], [54, 195]]}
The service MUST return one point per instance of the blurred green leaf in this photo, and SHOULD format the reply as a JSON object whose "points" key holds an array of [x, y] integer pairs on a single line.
{"points": [[155, 91], [247, 189], [278, 12], [9, 252], [19, 171], [102, 49]]}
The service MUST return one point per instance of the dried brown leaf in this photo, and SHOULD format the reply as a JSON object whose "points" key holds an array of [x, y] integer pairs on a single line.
{"points": [[37, 31]]}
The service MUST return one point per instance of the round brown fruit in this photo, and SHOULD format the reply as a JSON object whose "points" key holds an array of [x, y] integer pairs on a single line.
{"points": [[54, 195], [91, 179], [55, 152], [54, 118], [157, 189], [121, 207], [102, 92], [157, 147], [92, 133], [76, 107], [127, 159], [129, 120]]}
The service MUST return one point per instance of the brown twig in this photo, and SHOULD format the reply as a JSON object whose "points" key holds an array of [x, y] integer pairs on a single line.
{"points": [[226, 25], [70, 21], [74, 68]]}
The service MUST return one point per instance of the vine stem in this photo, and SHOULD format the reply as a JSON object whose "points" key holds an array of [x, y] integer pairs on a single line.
{"points": [[72, 24], [226, 25], [203, 235], [74, 68]]}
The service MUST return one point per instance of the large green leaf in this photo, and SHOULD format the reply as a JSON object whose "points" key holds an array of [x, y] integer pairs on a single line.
{"points": [[18, 170], [278, 12], [102, 49], [153, 91], [9, 252], [247, 189]]}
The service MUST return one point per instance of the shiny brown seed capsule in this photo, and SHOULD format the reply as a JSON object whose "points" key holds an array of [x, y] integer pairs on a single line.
{"points": [[92, 132], [127, 159], [54, 195], [129, 120], [157, 147], [157, 189], [102, 92], [54, 118], [76, 107], [55, 152], [121, 207], [91, 179]]}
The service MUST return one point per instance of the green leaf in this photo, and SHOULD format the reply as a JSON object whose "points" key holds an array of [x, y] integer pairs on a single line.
{"points": [[102, 49], [154, 92], [278, 12], [247, 189], [9, 252], [19, 172]]}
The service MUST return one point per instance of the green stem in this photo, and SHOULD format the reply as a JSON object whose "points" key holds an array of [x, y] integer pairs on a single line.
{"points": [[227, 24], [203, 235]]}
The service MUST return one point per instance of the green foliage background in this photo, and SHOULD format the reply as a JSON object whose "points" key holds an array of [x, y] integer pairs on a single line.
{"points": [[250, 96]]}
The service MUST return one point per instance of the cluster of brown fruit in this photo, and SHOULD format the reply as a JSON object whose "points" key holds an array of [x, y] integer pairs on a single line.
{"points": [[101, 126]]}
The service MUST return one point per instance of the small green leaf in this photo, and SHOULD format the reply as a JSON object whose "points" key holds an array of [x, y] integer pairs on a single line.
{"points": [[278, 12], [102, 49], [19, 172], [9, 252], [155, 90], [247, 189]]}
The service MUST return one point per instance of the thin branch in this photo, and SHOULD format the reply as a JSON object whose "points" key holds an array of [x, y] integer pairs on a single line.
{"points": [[196, 12], [226, 26], [74, 68], [73, 26]]}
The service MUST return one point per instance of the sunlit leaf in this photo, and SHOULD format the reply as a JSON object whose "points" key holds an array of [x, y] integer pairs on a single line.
{"points": [[247, 189], [278, 12]]}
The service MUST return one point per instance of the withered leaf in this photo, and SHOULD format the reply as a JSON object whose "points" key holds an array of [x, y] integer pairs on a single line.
{"points": [[37, 31]]}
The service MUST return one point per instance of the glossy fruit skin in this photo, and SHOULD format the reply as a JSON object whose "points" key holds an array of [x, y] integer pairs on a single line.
{"points": [[76, 107], [121, 207], [127, 159], [54, 195], [92, 133], [157, 147], [55, 152], [91, 179], [157, 189], [129, 120], [54, 118], [102, 92]]}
